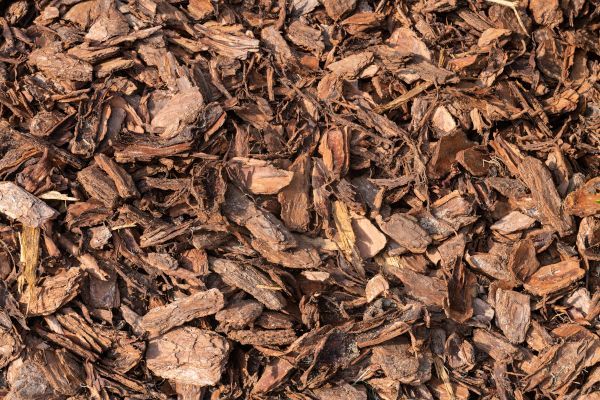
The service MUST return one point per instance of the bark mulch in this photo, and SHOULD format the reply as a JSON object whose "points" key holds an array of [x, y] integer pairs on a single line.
{"points": [[300, 199]]}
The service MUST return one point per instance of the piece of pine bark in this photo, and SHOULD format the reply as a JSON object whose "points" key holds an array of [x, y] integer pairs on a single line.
{"points": [[10, 340], [375, 287], [344, 391], [369, 240], [98, 185], [585, 201], [399, 362], [554, 277], [430, 290], [250, 280], [539, 180], [405, 231], [273, 375], [238, 315], [54, 292], [260, 177], [301, 257], [523, 261], [461, 287], [495, 345], [60, 66], [162, 319], [336, 9], [294, 198], [257, 337], [513, 222], [262, 224], [21, 205], [512, 314], [122, 180], [188, 355]]}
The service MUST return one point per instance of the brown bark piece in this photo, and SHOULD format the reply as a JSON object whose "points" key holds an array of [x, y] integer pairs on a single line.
{"points": [[445, 153], [430, 290], [260, 177], [262, 224], [400, 363], [238, 315], [60, 66], [554, 277], [405, 231], [345, 391], [21, 205], [294, 198], [251, 281], [189, 356], [337, 8], [512, 314], [513, 222], [585, 201], [475, 160], [53, 293], [495, 345], [461, 286], [162, 319], [539, 180], [369, 240], [99, 186], [264, 337], [523, 261], [122, 180]]}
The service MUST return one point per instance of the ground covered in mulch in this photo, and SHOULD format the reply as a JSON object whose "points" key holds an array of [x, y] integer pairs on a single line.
{"points": [[300, 199]]}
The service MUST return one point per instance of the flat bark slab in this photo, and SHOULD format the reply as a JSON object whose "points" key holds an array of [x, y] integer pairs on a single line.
{"points": [[250, 280], [21, 205], [189, 356], [161, 319]]}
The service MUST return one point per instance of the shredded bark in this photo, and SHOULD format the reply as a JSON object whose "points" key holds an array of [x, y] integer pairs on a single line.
{"points": [[299, 199]]}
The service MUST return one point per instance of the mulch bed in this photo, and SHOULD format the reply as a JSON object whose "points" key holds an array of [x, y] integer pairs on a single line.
{"points": [[300, 199]]}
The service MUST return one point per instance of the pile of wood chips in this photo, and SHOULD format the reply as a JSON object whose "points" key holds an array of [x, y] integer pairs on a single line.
{"points": [[300, 199]]}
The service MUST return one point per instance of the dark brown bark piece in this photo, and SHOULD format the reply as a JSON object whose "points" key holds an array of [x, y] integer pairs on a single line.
{"points": [[475, 160], [262, 224], [461, 286], [539, 180], [99, 186], [294, 198], [251, 281], [337, 8], [122, 180], [239, 314], [445, 153], [405, 231], [523, 261]]}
